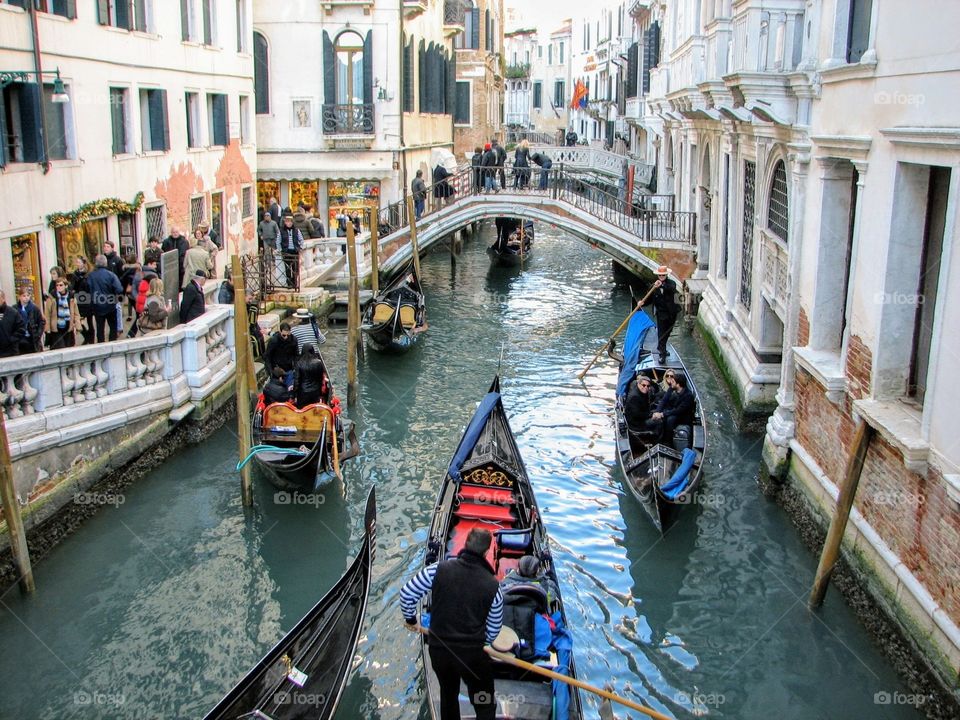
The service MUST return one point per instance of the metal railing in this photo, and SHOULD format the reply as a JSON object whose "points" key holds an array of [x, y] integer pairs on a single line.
{"points": [[348, 119], [533, 137]]}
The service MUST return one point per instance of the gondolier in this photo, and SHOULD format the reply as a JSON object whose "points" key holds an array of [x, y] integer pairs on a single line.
{"points": [[307, 331], [665, 308], [466, 613]]}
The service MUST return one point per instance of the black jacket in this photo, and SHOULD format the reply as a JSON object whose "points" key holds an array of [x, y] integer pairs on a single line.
{"points": [[489, 162], [501, 155], [462, 592], [192, 304], [521, 158], [541, 160], [12, 330], [34, 323], [664, 300], [275, 392], [441, 187], [105, 291], [308, 377], [114, 263], [679, 405], [287, 236], [637, 406], [280, 352]]}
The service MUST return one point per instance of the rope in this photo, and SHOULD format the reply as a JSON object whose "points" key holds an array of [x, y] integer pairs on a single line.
{"points": [[256, 449]]}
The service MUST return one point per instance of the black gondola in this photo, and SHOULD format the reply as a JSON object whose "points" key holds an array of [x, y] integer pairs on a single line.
{"points": [[397, 316], [663, 477], [514, 241], [301, 449], [303, 676], [486, 486]]}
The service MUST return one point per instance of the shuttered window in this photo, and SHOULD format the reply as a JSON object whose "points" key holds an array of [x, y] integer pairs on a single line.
{"points": [[461, 113], [651, 54], [118, 120], [778, 215], [261, 74], [63, 8], [192, 102], [208, 22], [559, 95], [219, 125], [537, 94], [408, 76], [155, 131], [633, 55], [858, 33]]}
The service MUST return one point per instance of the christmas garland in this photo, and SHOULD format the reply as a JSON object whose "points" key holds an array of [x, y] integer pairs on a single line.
{"points": [[97, 208]]}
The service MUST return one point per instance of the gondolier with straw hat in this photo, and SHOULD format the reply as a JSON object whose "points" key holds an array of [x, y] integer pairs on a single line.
{"points": [[665, 308], [466, 612], [307, 332]]}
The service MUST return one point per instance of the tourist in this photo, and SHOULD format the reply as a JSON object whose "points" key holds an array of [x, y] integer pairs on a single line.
{"points": [[501, 161], [267, 231], [276, 390], [33, 320], [442, 189], [192, 304], [316, 224], [476, 163], [196, 260], [114, 261], [309, 377], [149, 273], [211, 234], [290, 243], [226, 293], [489, 163], [667, 381], [545, 164], [676, 407], [274, 209], [307, 331], [639, 403], [105, 293], [301, 221], [211, 248], [153, 251], [129, 281], [81, 292], [665, 308], [419, 189], [571, 137], [521, 165], [527, 573], [281, 352], [12, 328], [156, 308], [466, 612], [62, 317], [176, 241], [56, 273]]}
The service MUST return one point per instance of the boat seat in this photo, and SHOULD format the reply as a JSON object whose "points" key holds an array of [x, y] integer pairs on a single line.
{"points": [[458, 538], [408, 316], [698, 436], [514, 543], [486, 495], [382, 313], [477, 511]]}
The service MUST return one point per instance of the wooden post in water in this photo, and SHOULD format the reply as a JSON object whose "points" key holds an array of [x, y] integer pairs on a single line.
{"points": [[241, 334], [375, 252], [11, 512], [848, 490], [353, 313], [413, 236]]}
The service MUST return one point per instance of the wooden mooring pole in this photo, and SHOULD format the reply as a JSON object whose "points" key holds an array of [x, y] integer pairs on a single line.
{"points": [[375, 252], [241, 334], [353, 316], [11, 512], [848, 490], [414, 250]]}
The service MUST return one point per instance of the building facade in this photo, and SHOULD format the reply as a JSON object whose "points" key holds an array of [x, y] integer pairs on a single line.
{"points": [[520, 49], [157, 130], [350, 134], [480, 67]]}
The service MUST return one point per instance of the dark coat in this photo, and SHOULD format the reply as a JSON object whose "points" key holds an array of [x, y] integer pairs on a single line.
{"points": [[664, 300], [276, 392], [12, 330], [638, 406], [476, 163], [78, 285], [541, 160], [521, 158], [280, 352], [463, 591], [309, 380], [441, 187], [679, 405], [34, 323], [489, 163], [115, 263], [226, 293], [419, 188], [105, 291], [192, 304]]}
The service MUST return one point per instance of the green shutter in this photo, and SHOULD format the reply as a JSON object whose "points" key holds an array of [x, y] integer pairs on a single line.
{"points": [[3, 131], [368, 68], [184, 19], [103, 11], [422, 72], [261, 74], [123, 14], [220, 120], [475, 32], [31, 128], [329, 71]]}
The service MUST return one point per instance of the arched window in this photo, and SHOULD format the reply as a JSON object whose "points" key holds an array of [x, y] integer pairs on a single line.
{"points": [[261, 74], [778, 207], [349, 68]]}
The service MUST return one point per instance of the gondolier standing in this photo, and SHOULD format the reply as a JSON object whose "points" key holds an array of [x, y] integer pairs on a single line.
{"points": [[665, 308], [466, 612]]}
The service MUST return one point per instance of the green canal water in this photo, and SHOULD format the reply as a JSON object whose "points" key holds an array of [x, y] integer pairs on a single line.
{"points": [[155, 608]]}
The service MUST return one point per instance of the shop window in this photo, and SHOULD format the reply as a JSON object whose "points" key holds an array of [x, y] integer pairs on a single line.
{"points": [[358, 196], [267, 189], [127, 224], [84, 241], [154, 129], [304, 191]]}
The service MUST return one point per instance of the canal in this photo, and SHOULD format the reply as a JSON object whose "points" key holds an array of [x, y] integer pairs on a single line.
{"points": [[157, 605]]}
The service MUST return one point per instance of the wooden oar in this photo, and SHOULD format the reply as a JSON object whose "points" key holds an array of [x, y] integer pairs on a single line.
{"points": [[618, 331], [523, 665]]}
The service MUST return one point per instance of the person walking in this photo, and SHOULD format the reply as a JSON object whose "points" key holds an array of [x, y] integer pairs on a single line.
{"points": [[193, 303], [442, 189], [81, 291], [267, 231], [289, 244], [33, 320], [12, 328], [466, 613], [105, 293], [501, 161], [489, 165], [545, 164], [419, 189], [521, 165], [665, 309], [476, 163], [274, 209], [62, 317], [196, 260]]}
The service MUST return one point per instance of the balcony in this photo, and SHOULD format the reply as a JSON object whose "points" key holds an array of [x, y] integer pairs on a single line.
{"points": [[349, 121], [518, 72], [453, 17], [775, 282], [329, 5], [414, 8]]}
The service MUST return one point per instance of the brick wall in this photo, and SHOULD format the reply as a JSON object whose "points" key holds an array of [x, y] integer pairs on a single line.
{"points": [[803, 329], [911, 512]]}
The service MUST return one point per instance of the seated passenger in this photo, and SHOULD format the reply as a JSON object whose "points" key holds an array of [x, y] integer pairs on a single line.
{"points": [[676, 407], [639, 403], [276, 390], [310, 377], [527, 572]]}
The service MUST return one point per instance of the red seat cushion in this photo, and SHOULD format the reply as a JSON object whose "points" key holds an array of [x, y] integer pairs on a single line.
{"points": [[458, 538], [486, 495], [495, 513]]}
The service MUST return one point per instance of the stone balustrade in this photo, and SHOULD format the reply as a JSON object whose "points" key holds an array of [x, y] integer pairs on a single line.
{"points": [[61, 396]]}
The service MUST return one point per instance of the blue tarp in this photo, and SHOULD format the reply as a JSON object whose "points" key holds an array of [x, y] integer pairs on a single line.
{"points": [[678, 481], [472, 433], [563, 642], [637, 329]]}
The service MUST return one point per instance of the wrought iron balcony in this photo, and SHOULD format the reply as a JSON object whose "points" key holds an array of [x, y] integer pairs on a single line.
{"points": [[454, 12], [348, 119]]}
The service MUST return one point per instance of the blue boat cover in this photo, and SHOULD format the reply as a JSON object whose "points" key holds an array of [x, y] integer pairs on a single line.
{"points": [[678, 481], [637, 329], [563, 642], [472, 433]]}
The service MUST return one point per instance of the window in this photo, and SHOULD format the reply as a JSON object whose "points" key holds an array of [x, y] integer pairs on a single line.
{"points": [[156, 222], [198, 211], [154, 129], [20, 125], [461, 112], [126, 14], [188, 22], [651, 54], [246, 194], [349, 69], [192, 102], [488, 34], [746, 256], [261, 74], [243, 31], [550, 54], [633, 57], [559, 96], [245, 134], [63, 8], [217, 116], [434, 79], [540, 52], [408, 76], [526, 56], [537, 94], [858, 29], [561, 52], [119, 120], [779, 203], [469, 39], [208, 8]]}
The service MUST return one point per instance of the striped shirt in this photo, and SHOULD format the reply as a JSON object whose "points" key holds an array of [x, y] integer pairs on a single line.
{"points": [[420, 584], [306, 335]]}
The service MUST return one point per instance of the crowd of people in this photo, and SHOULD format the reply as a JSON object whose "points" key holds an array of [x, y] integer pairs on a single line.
{"points": [[85, 305], [489, 167], [295, 370]]}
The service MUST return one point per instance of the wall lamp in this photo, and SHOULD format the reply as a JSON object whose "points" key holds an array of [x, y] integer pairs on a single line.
{"points": [[8, 77]]}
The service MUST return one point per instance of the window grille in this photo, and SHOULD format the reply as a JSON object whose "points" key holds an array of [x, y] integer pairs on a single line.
{"points": [[156, 223], [746, 256], [777, 210], [197, 212], [247, 201]]}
